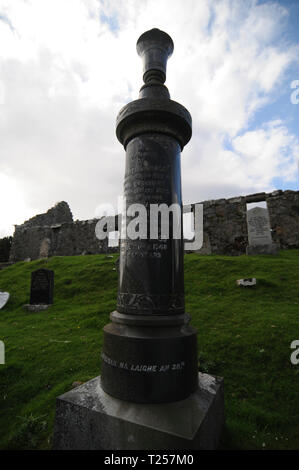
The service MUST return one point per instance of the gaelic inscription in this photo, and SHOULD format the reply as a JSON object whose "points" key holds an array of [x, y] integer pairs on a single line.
{"points": [[175, 366]]}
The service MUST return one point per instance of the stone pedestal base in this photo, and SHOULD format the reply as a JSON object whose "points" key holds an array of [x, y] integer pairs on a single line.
{"points": [[36, 307], [271, 249], [88, 418], [148, 359]]}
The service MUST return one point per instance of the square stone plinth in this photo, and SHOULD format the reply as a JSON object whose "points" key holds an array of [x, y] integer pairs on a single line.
{"points": [[271, 249], [36, 308], [89, 418]]}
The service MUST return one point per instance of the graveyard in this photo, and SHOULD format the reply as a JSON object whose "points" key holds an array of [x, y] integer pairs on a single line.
{"points": [[244, 335], [155, 342]]}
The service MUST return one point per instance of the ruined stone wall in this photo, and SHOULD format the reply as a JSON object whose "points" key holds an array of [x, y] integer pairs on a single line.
{"points": [[75, 238], [55, 234], [60, 213], [27, 241], [225, 228], [283, 207]]}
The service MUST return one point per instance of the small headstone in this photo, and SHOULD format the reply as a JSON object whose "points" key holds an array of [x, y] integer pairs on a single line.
{"points": [[249, 282], [4, 296], [42, 287], [259, 233]]}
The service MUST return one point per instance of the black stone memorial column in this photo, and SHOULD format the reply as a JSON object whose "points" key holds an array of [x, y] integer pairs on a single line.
{"points": [[150, 394], [150, 351]]}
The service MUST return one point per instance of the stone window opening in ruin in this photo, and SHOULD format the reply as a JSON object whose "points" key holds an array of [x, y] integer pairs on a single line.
{"points": [[261, 236], [113, 239], [262, 204], [188, 226]]}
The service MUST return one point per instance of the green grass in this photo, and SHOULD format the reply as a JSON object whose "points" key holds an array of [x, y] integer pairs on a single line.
{"points": [[244, 335]]}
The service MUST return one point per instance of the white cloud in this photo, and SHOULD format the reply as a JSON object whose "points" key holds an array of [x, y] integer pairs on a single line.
{"points": [[13, 206], [268, 152], [67, 67]]}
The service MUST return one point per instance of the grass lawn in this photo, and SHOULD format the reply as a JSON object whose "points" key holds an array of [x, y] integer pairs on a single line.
{"points": [[244, 335]]}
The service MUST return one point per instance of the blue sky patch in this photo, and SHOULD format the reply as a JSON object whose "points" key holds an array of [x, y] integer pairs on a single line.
{"points": [[6, 20], [111, 21]]}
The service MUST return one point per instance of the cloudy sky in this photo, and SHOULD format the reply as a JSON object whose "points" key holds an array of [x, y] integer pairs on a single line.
{"points": [[68, 66]]}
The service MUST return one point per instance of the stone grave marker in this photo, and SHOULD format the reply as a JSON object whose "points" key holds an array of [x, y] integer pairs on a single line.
{"points": [[42, 287], [259, 232]]}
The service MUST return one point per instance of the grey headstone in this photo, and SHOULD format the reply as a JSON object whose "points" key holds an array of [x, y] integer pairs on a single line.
{"points": [[259, 230], [259, 233]]}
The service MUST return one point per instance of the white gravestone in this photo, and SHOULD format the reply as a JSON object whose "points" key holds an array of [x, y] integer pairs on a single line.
{"points": [[4, 296], [259, 232]]}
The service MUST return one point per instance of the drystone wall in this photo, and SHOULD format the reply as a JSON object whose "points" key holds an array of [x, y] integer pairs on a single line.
{"points": [[224, 228], [49, 235], [60, 213], [225, 225], [283, 207], [66, 239]]}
